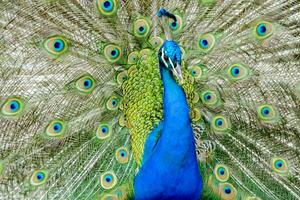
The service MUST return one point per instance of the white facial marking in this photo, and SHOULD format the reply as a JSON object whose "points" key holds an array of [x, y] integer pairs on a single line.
{"points": [[162, 57]]}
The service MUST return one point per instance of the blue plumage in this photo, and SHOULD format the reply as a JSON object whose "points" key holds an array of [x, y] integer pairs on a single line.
{"points": [[170, 169]]}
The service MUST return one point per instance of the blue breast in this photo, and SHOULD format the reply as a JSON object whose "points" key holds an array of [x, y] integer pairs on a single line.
{"points": [[170, 169]]}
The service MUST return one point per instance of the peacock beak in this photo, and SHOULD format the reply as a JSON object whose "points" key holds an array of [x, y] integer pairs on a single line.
{"points": [[176, 70]]}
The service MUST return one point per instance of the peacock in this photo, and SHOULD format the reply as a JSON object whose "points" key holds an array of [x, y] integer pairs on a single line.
{"points": [[150, 99]]}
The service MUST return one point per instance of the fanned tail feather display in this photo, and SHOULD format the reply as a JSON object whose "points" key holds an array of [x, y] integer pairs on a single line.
{"points": [[83, 97]]}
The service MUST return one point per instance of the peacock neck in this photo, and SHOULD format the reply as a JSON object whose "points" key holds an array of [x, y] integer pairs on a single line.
{"points": [[176, 113]]}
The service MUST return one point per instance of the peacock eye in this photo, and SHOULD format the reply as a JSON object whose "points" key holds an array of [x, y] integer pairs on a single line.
{"points": [[196, 72], [209, 98], [263, 30], [174, 25], [267, 113], [141, 28], [156, 42], [85, 84], [122, 77], [221, 173], [280, 165], [206, 42], [108, 180], [177, 26], [113, 103], [104, 131], [227, 191], [133, 57], [122, 155], [166, 58], [39, 177], [220, 123], [237, 72], [107, 7], [55, 128], [56, 46], [12, 107], [112, 53]]}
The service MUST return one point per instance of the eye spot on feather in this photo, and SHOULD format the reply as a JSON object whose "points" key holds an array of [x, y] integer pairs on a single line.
{"points": [[141, 28], [133, 57], [267, 113], [227, 191], [56, 45], [12, 107], [220, 123], [121, 192], [210, 98], [196, 72], [108, 180], [122, 155], [122, 77], [221, 173], [263, 30], [156, 42], [237, 72], [112, 53], [113, 103], [104, 131], [107, 7], [174, 25], [85, 84], [177, 26], [59, 45], [280, 165], [206, 42], [39, 177], [55, 128]]}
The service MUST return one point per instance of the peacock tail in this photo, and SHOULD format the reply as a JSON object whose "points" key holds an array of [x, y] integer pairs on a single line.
{"points": [[81, 91]]}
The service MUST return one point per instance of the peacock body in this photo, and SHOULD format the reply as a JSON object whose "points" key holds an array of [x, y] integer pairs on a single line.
{"points": [[108, 99]]}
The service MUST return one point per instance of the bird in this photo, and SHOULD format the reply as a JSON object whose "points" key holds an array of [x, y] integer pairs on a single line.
{"points": [[140, 99]]}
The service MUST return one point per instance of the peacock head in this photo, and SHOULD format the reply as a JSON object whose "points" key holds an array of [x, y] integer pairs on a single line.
{"points": [[169, 56]]}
